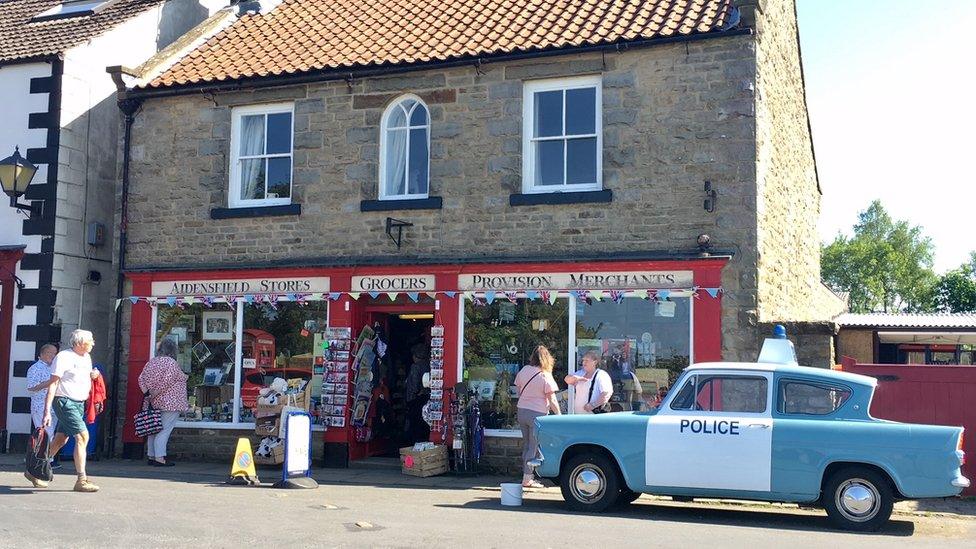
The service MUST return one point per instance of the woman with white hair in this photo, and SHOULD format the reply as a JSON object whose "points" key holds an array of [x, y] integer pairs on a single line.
{"points": [[163, 382]]}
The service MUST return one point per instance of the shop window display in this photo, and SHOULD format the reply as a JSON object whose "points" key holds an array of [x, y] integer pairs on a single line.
{"points": [[280, 341], [207, 346], [498, 339], [643, 344]]}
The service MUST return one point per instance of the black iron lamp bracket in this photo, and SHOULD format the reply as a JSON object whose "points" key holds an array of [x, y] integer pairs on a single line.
{"points": [[29, 208], [397, 226]]}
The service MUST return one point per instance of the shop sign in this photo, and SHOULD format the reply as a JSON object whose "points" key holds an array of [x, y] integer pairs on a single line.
{"points": [[576, 281], [242, 286], [397, 283]]}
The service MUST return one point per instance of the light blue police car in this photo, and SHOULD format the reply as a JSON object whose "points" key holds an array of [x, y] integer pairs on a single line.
{"points": [[755, 431]]}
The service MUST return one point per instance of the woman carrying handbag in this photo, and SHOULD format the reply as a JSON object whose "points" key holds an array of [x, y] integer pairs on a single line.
{"points": [[537, 397], [164, 384]]}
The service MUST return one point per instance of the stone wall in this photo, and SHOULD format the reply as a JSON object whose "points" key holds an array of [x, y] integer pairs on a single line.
{"points": [[502, 456], [674, 116], [857, 344], [789, 193]]}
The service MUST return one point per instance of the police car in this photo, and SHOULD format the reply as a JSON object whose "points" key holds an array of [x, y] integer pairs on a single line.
{"points": [[763, 431]]}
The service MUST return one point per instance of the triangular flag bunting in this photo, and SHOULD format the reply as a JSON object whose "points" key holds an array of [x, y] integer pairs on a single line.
{"points": [[118, 302], [469, 296], [553, 296], [489, 297], [392, 295], [134, 300], [432, 295], [597, 295], [171, 301], [532, 294], [450, 294], [663, 294], [414, 296], [712, 292]]}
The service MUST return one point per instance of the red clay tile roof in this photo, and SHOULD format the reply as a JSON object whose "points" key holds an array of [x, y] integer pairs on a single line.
{"points": [[307, 35], [20, 39]]}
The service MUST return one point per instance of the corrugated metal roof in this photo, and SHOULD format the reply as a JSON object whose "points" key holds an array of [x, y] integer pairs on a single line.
{"points": [[908, 320]]}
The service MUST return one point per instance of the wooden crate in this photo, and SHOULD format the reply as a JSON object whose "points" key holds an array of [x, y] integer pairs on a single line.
{"points": [[426, 463]]}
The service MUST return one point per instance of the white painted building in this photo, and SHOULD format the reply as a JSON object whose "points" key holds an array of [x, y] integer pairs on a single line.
{"points": [[58, 106]]}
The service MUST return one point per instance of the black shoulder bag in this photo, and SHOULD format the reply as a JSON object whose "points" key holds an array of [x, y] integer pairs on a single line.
{"points": [[605, 407]]}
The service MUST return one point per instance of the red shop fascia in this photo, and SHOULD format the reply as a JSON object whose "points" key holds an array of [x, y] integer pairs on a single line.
{"points": [[706, 272]]}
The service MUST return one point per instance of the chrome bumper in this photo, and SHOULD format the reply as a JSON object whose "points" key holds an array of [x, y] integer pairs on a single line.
{"points": [[537, 462], [960, 482]]}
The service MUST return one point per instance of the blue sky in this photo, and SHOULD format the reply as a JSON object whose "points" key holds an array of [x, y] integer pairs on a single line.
{"points": [[893, 109]]}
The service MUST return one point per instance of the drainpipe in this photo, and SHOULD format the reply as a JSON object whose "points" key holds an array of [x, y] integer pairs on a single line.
{"points": [[129, 108]]}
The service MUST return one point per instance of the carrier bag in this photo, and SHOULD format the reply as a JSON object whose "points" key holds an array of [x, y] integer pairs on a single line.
{"points": [[38, 465]]}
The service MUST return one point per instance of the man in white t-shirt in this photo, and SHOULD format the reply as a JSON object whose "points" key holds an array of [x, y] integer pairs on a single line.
{"points": [[586, 401], [71, 375]]}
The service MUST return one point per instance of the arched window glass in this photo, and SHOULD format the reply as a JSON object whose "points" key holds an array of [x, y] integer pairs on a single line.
{"points": [[405, 150]]}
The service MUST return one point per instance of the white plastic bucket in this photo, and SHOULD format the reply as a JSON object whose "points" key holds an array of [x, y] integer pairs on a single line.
{"points": [[511, 494]]}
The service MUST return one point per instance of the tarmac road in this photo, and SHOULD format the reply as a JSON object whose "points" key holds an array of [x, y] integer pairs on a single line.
{"points": [[200, 513]]}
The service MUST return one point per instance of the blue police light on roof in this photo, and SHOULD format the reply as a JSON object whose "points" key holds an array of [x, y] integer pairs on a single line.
{"points": [[778, 349]]}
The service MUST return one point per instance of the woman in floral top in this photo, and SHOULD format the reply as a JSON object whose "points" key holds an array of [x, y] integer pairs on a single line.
{"points": [[165, 384]]}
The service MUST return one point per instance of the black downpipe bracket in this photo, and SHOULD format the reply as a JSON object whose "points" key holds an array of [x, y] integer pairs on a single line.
{"points": [[129, 108]]}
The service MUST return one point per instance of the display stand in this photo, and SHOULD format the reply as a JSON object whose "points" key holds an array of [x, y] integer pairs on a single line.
{"points": [[296, 471]]}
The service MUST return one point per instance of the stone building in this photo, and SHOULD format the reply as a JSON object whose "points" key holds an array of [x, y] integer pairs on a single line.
{"points": [[633, 177], [59, 111]]}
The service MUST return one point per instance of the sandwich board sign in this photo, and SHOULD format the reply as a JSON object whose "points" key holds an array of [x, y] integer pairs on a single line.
{"points": [[296, 471]]}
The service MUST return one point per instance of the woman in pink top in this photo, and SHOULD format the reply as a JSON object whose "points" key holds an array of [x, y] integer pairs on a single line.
{"points": [[164, 384], [537, 396]]}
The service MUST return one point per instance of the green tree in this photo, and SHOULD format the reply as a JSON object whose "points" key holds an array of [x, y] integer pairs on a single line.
{"points": [[886, 266], [956, 290]]}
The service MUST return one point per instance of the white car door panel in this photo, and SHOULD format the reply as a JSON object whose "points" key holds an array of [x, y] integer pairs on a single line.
{"points": [[726, 446]]}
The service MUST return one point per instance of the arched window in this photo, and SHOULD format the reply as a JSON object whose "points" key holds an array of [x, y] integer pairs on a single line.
{"points": [[405, 150]]}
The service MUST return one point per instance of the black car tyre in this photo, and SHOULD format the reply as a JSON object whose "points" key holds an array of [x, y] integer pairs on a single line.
{"points": [[858, 499], [589, 482], [627, 496]]}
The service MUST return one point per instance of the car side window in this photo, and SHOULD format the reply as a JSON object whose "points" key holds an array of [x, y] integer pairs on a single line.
{"points": [[737, 394], [815, 399]]}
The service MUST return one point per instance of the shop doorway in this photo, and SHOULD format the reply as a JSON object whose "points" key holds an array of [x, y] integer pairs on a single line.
{"points": [[395, 417]]}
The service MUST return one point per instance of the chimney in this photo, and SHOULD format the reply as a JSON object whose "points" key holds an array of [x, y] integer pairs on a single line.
{"points": [[245, 7]]}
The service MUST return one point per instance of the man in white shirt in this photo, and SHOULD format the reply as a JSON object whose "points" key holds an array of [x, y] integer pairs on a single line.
{"points": [[586, 400], [71, 375]]}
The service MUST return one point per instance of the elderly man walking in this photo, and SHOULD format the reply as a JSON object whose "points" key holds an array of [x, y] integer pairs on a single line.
{"points": [[38, 380], [71, 375]]}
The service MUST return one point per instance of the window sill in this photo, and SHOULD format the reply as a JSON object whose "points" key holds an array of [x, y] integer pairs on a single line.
{"points": [[579, 197], [430, 203], [255, 211]]}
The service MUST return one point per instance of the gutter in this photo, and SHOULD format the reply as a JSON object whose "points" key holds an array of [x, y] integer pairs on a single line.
{"points": [[129, 108], [325, 75], [400, 260]]}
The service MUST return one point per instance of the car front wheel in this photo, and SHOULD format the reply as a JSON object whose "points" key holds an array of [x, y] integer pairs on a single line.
{"points": [[590, 482], [858, 498]]}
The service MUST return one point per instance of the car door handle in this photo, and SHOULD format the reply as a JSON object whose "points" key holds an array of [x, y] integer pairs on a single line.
{"points": [[758, 426]]}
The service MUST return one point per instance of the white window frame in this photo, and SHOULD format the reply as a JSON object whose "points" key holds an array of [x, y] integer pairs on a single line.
{"points": [[528, 140], [234, 199], [383, 145]]}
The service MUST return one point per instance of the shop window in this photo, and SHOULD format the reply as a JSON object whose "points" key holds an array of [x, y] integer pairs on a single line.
{"points": [[280, 341], [277, 341], [643, 343], [261, 155], [811, 398], [562, 135], [733, 394], [499, 339], [207, 350], [405, 150]]}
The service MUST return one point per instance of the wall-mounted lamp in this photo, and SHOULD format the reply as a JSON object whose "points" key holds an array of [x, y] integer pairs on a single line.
{"points": [[710, 196], [16, 173], [395, 225], [704, 243]]}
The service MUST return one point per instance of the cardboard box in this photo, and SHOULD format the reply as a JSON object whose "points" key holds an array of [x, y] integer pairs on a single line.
{"points": [[425, 463], [268, 426], [277, 456], [209, 395]]}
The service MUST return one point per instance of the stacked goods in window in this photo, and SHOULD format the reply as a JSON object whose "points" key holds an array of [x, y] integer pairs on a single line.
{"points": [[336, 377]]}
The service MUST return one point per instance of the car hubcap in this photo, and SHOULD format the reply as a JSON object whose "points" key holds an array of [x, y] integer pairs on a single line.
{"points": [[857, 500], [588, 483]]}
